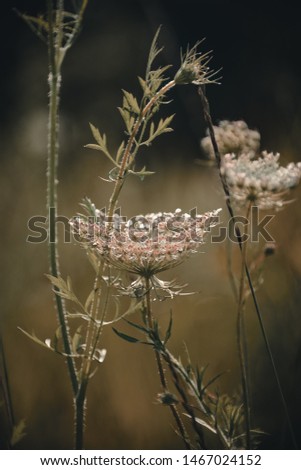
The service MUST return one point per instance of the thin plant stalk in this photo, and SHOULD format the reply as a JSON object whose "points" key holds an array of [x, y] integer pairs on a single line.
{"points": [[59, 34], [92, 336], [229, 263], [90, 340], [56, 55], [208, 119], [163, 379], [242, 342], [52, 164], [5, 389]]}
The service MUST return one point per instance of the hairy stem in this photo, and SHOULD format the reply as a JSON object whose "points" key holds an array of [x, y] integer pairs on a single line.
{"points": [[52, 206], [163, 380], [79, 415]]}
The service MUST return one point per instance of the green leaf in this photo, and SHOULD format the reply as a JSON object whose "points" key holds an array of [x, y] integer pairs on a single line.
{"points": [[156, 79], [153, 52], [200, 377], [94, 260], [120, 151], [37, 24], [77, 340], [94, 147], [161, 129], [151, 130], [134, 306], [34, 338], [101, 140], [89, 206], [128, 119], [202, 423], [168, 331], [89, 300], [141, 174], [131, 102], [128, 338], [102, 143], [64, 288], [138, 327], [202, 391], [145, 88]]}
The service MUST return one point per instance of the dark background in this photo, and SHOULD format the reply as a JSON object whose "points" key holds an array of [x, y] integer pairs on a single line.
{"points": [[257, 44]]}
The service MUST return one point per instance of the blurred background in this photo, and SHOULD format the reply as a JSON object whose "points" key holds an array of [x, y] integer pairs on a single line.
{"points": [[257, 44]]}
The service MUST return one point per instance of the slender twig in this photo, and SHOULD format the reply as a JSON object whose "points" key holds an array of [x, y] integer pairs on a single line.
{"points": [[80, 414], [55, 57], [242, 342], [229, 263], [89, 341], [163, 380], [207, 115]]}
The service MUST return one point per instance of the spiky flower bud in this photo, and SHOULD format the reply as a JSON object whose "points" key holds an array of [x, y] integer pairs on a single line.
{"points": [[194, 68]]}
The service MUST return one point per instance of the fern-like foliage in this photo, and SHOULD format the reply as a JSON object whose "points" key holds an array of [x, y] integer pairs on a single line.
{"points": [[138, 117]]}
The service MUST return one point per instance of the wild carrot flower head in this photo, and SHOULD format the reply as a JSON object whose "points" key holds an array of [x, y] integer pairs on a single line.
{"points": [[232, 136], [261, 181], [146, 244], [194, 68]]}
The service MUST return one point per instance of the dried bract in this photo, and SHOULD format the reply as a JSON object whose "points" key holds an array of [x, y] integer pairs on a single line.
{"points": [[194, 68]]}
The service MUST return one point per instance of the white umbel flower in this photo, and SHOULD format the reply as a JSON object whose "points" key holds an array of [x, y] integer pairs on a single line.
{"points": [[146, 244], [261, 181], [232, 136]]}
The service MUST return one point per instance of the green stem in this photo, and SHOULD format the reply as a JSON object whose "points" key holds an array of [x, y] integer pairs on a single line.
{"points": [[163, 380]]}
